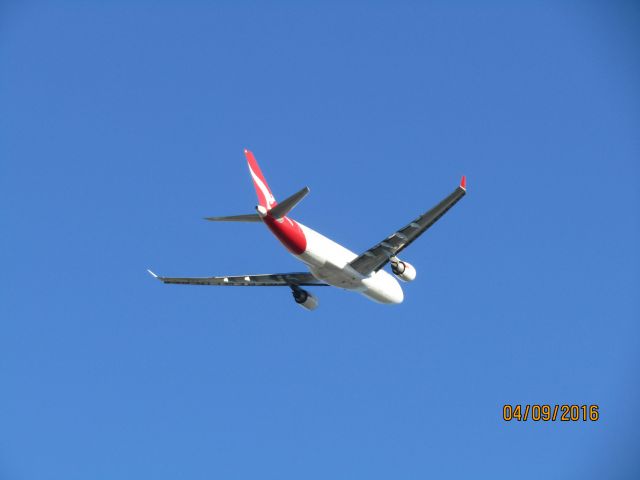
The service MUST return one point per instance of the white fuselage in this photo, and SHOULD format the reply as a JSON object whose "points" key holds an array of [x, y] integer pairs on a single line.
{"points": [[329, 261]]}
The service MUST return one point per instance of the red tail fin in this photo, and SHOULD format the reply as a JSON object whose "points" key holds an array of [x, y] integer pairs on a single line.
{"points": [[265, 197]]}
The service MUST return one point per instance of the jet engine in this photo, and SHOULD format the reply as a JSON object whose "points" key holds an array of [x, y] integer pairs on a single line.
{"points": [[403, 270], [305, 299]]}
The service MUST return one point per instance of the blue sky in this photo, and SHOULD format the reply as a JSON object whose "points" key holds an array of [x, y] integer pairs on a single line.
{"points": [[123, 124]]}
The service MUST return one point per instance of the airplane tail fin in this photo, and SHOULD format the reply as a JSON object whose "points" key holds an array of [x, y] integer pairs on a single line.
{"points": [[266, 202], [265, 197]]}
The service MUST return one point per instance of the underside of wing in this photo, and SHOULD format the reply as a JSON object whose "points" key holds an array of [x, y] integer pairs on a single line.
{"points": [[262, 280], [377, 256]]}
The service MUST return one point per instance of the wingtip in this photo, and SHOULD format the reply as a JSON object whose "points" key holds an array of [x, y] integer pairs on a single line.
{"points": [[152, 274], [463, 183]]}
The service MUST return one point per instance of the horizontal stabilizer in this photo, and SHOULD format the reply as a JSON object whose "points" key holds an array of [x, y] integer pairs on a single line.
{"points": [[250, 217], [284, 207]]}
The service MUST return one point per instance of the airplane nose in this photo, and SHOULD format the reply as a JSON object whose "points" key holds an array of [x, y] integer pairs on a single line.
{"points": [[383, 288], [397, 295]]}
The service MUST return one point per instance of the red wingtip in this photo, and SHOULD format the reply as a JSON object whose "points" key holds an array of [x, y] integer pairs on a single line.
{"points": [[463, 183]]}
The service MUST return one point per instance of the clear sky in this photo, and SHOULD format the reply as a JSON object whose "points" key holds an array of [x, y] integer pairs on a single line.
{"points": [[123, 124]]}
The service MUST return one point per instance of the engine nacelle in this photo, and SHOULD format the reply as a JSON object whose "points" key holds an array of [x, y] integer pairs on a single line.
{"points": [[305, 299], [403, 270]]}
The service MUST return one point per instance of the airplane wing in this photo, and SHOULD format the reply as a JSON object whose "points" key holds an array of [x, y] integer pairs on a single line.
{"points": [[377, 256], [262, 280]]}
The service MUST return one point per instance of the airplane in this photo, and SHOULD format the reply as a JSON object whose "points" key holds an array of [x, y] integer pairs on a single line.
{"points": [[329, 263]]}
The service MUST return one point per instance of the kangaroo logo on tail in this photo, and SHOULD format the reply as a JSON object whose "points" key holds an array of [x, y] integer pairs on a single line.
{"points": [[265, 197]]}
